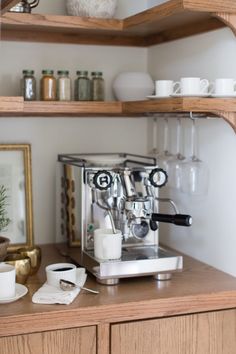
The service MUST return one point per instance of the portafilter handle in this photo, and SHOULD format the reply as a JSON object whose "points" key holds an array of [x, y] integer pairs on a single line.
{"points": [[177, 219]]}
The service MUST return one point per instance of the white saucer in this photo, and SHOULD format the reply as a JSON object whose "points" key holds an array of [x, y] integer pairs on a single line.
{"points": [[222, 96], [153, 97], [21, 290], [191, 95]]}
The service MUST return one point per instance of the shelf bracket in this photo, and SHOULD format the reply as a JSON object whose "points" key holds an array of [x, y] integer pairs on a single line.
{"points": [[229, 117], [229, 19]]}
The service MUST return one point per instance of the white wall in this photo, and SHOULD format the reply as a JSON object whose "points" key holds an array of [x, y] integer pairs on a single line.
{"points": [[212, 238], [51, 136]]}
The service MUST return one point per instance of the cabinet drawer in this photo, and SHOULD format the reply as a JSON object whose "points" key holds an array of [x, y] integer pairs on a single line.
{"points": [[206, 333], [66, 341]]}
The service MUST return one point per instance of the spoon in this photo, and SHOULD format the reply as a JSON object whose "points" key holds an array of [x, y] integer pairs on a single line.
{"points": [[67, 285]]}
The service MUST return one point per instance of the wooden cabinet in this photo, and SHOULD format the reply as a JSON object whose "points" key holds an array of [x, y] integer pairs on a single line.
{"points": [[67, 341], [206, 333]]}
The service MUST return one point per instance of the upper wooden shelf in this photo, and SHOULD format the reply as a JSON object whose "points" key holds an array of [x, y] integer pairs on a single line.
{"points": [[171, 20], [217, 107]]}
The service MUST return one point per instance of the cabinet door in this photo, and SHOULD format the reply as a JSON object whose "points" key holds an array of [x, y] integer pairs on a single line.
{"points": [[206, 333], [67, 341]]}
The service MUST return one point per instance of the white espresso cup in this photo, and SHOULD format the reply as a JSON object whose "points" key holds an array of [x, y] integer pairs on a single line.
{"points": [[57, 271], [223, 87], [164, 88], [7, 281], [192, 86], [107, 245]]}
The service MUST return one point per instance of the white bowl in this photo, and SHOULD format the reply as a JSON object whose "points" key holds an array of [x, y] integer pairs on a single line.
{"points": [[91, 8], [133, 86]]}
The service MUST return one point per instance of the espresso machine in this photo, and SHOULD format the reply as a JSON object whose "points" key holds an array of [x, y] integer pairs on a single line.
{"points": [[118, 192]]}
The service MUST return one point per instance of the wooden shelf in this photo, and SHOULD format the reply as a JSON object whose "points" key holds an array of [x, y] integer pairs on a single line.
{"points": [[171, 20], [17, 107]]}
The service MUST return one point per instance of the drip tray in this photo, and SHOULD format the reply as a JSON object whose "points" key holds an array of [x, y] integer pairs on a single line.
{"points": [[136, 261]]}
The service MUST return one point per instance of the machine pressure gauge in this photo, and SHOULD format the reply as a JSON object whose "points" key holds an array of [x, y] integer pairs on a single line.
{"points": [[158, 177], [102, 180]]}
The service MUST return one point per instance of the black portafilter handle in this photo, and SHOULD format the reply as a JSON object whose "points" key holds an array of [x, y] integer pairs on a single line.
{"points": [[177, 219]]}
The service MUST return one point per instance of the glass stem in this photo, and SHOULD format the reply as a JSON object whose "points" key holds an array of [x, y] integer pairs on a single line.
{"points": [[193, 139], [166, 136], [178, 136]]}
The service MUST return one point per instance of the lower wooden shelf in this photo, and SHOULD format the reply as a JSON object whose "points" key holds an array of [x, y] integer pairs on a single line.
{"points": [[217, 107]]}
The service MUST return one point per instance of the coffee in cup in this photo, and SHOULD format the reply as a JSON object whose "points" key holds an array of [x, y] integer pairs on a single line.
{"points": [[57, 271]]}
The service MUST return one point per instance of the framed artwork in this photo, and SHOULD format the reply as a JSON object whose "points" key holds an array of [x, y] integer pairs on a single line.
{"points": [[16, 189]]}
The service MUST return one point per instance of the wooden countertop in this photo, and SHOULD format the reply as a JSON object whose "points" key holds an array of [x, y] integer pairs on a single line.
{"points": [[198, 288]]}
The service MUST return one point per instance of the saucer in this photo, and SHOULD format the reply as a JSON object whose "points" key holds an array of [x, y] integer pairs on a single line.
{"points": [[153, 97], [192, 95], [215, 95], [21, 290]]}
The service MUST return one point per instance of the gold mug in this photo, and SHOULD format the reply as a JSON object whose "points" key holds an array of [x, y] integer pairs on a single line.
{"points": [[21, 264], [34, 253]]}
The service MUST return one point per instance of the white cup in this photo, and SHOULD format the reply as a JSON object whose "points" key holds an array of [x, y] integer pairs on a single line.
{"points": [[192, 86], [107, 245], [7, 281], [57, 271], [164, 88], [224, 87]]}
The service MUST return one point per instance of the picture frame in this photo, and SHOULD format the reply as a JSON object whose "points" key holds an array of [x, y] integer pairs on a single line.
{"points": [[16, 178]]}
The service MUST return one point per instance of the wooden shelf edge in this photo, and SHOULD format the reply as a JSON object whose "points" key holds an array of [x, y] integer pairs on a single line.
{"points": [[221, 107], [169, 21]]}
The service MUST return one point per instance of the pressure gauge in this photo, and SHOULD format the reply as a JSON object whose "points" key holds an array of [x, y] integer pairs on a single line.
{"points": [[158, 177], [102, 180]]}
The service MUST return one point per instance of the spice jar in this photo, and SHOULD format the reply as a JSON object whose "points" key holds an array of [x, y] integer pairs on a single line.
{"points": [[28, 85], [63, 86], [97, 85], [48, 86], [82, 86]]}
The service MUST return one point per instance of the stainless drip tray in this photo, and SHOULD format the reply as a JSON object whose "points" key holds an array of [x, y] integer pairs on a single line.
{"points": [[137, 261]]}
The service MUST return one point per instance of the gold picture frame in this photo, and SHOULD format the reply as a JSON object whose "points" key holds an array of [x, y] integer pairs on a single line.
{"points": [[16, 177]]}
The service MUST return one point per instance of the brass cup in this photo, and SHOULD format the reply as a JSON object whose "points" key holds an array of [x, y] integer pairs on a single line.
{"points": [[34, 253], [22, 266]]}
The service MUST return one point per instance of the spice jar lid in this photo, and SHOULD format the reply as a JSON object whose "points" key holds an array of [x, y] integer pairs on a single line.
{"points": [[47, 72], [63, 72], [28, 72], [96, 73], [82, 72]]}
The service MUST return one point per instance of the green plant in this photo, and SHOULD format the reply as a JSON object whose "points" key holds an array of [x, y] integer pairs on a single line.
{"points": [[4, 220]]}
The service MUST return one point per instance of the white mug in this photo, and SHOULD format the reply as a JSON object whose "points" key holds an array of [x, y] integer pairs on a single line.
{"points": [[107, 245], [7, 281], [164, 88], [57, 271], [192, 86], [224, 87]]}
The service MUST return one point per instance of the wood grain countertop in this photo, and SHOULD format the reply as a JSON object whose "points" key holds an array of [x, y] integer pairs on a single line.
{"points": [[198, 288]]}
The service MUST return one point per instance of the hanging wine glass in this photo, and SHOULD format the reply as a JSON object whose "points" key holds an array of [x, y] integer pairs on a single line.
{"points": [[165, 155], [154, 151], [176, 162], [194, 172]]}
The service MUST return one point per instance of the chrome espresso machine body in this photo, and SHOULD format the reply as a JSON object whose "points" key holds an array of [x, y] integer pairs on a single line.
{"points": [[118, 191]]}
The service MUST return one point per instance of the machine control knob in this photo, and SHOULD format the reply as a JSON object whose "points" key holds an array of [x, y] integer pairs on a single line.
{"points": [[102, 180], [158, 177]]}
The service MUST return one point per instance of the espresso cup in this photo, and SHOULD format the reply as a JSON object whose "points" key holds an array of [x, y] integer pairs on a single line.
{"points": [[107, 245], [57, 271], [164, 88], [223, 87], [191, 86], [7, 281]]}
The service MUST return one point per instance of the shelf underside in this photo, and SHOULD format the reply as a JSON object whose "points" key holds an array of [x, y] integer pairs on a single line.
{"points": [[171, 20], [17, 107]]}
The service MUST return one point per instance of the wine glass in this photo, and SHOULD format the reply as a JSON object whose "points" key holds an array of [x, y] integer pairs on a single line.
{"points": [[194, 172], [163, 157], [176, 162]]}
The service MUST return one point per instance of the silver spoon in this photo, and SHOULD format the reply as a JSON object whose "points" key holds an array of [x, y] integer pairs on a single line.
{"points": [[67, 285]]}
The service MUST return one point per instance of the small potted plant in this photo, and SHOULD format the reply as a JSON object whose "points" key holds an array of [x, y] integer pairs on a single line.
{"points": [[4, 222]]}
